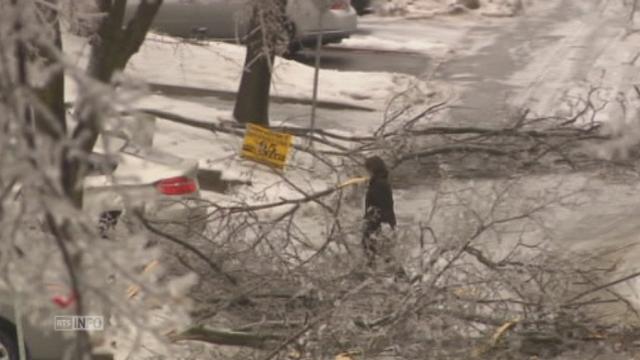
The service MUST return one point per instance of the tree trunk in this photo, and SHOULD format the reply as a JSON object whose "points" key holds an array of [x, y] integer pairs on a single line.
{"points": [[22, 77], [51, 119], [115, 46], [252, 101]]}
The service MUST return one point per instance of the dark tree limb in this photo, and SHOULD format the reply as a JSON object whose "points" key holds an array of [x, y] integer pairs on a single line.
{"points": [[227, 337], [603, 286], [215, 267], [61, 238]]}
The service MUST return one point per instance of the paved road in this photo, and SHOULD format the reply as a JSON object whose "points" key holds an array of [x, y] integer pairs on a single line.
{"points": [[532, 65], [348, 59], [485, 78], [373, 60], [533, 62]]}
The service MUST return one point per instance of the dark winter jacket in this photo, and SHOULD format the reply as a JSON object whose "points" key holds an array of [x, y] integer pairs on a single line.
{"points": [[378, 206], [379, 202]]}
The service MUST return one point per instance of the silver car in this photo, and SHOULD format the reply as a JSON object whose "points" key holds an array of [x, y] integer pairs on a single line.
{"points": [[163, 186], [222, 19]]}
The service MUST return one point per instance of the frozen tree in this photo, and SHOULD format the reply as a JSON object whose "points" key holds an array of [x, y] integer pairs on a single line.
{"points": [[269, 33], [114, 42], [46, 237], [267, 36]]}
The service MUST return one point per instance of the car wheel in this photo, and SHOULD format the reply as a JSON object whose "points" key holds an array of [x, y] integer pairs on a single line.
{"points": [[293, 48], [294, 45], [8, 345], [362, 7]]}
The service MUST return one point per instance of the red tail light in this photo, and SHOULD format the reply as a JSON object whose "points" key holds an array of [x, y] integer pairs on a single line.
{"points": [[177, 186], [340, 5], [64, 302]]}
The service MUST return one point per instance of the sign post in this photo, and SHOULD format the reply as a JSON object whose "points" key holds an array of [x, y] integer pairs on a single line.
{"points": [[17, 308], [323, 7]]}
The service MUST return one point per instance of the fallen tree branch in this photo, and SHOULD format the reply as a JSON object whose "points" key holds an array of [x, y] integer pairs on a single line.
{"points": [[602, 287], [226, 337], [272, 324], [444, 150], [305, 199], [510, 132], [238, 130], [215, 267], [323, 316]]}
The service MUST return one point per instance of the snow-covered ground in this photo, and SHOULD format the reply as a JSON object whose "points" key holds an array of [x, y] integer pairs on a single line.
{"points": [[428, 9], [400, 34], [218, 66]]}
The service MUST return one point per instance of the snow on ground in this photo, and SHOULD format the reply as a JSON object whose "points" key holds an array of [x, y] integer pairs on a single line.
{"points": [[596, 53], [398, 34], [379, 43], [218, 66], [435, 37], [427, 26], [426, 9]]}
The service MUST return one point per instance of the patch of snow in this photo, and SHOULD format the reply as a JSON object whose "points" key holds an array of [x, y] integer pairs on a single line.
{"points": [[378, 43], [435, 38]]}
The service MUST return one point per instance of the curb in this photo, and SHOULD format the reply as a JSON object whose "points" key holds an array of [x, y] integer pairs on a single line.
{"points": [[175, 90]]}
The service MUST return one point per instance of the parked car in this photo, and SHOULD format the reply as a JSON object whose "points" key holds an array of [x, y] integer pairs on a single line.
{"points": [[162, 186], [362, 7], [222, 20]]}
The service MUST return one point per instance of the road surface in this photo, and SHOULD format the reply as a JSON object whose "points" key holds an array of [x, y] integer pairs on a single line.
{"points": [[366, 60], [535, 63]]}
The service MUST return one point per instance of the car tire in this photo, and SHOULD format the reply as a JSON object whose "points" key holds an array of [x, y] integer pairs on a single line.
{"points": [[294, 45], [362, 7], [293, 48], [8, 342]]}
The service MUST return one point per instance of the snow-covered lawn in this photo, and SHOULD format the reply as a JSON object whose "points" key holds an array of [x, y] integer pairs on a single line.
{"points": [[219, 66]]}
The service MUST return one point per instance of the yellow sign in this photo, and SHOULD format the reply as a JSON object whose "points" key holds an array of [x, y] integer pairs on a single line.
{"points": [[266, 146]]}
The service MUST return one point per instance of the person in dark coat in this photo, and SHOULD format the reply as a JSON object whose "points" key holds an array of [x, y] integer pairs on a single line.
{"points": [[378, 208]]}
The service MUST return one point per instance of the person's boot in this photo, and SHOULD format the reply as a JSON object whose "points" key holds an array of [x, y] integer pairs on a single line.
{"points": [[371, 262]]}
